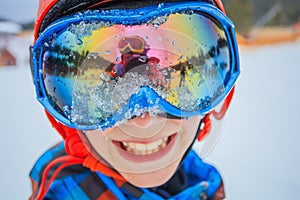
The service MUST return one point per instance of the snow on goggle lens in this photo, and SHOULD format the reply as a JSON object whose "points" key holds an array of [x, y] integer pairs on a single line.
{"points": [[91, 70]]}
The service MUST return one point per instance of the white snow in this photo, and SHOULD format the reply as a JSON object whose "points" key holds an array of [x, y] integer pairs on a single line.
{"points": [[25, 132], [19, 10], [258, 153], [10, 27]]}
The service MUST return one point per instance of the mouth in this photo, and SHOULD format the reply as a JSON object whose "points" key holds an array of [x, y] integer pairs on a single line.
{"points": [[145, 151]]}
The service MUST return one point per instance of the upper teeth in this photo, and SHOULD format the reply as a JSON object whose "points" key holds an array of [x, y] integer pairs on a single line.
{"points": [[144, 149]]}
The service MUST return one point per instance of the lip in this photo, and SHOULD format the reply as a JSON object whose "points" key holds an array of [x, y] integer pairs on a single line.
{"points": [[130, 156]]}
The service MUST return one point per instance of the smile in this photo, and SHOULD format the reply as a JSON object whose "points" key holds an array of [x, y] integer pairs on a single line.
{"points": [[137, 151], [145, 149]]}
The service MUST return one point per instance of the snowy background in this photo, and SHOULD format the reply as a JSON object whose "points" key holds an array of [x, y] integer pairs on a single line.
{"points": [[258, 153], [18, 10]]}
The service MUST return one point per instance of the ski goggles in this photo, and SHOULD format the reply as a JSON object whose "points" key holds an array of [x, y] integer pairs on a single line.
{"points": [[97, 68], [132, 44]]}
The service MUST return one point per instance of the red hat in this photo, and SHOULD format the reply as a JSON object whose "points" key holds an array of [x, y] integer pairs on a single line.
{"points": [[50, 10]]}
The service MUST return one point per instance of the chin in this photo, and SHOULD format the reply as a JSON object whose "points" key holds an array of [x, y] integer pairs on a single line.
{"points": [[151, 179]]}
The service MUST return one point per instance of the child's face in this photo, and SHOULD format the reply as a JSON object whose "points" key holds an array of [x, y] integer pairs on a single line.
{"points": [[146, 150]]}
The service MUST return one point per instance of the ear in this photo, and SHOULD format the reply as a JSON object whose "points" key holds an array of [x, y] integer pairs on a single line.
{"points": [[205, 126]]}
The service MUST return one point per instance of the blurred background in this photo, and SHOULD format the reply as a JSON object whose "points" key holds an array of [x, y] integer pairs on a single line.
{"points": [[258, 152], [249, 14]]}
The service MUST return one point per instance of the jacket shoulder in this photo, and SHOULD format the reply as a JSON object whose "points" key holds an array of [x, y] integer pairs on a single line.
{"points": [[48, 156], [72, 181]]}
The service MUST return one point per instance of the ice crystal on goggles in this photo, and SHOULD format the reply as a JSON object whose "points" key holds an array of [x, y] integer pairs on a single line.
{"points": [[97, 72]]}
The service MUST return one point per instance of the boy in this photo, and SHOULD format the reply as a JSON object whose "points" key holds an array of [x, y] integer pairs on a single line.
{"points": [[130, 86]]}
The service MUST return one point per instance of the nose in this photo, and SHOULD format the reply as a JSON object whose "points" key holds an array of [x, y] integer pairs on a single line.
{"points": [[145, 126], [143, 121]]}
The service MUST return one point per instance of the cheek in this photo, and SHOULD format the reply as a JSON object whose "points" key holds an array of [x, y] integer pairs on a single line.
{"points": [[190, 126], [98, 142], [188, 132]]}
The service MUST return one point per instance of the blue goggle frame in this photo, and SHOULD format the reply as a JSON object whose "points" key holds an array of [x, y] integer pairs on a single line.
{"points": [[146, 94]]}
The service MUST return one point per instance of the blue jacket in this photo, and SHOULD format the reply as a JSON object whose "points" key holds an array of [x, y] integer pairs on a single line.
{"points": [[78, 182]]}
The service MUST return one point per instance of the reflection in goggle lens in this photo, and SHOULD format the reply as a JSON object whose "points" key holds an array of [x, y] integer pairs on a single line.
{"points": [[132, 44], [91, 75]]}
